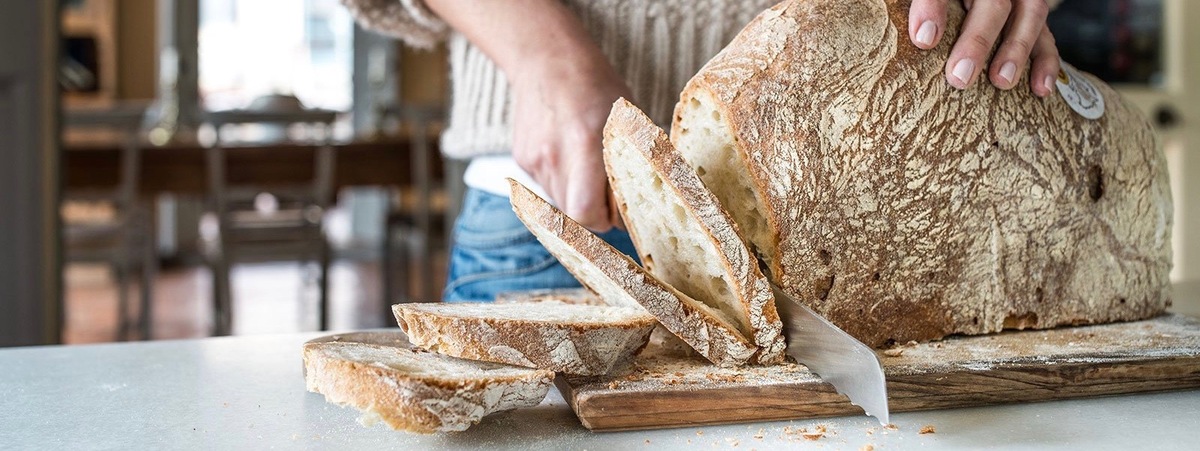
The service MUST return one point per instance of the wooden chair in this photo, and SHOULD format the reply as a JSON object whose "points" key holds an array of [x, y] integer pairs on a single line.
{"points": [[124, 239], [414, 221], [294, 229]]}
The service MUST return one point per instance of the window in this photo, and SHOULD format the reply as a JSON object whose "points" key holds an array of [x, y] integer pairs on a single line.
{"points": [[250, 48]]}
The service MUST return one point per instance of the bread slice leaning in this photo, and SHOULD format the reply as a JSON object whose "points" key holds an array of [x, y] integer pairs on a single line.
{"points": [[681, 231], [618, 279], [417, 391], [585, 340]]}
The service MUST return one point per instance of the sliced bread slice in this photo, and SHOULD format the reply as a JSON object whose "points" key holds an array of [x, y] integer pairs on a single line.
{"points": [[618, 279], [417, 391], [682, 233], [583, 340]]}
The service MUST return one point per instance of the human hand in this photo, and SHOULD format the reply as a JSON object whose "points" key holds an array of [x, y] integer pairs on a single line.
{"points": [[559, 110], [1026, 37]]}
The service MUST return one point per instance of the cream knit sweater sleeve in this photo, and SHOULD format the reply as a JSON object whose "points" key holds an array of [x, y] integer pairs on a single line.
{"points": [[409, 20], [656, 45]]}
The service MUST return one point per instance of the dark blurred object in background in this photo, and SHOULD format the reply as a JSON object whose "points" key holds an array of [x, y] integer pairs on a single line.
{"points": [[1119, 41]]}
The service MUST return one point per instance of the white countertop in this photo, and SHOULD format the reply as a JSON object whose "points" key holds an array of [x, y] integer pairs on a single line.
{"points": [[248, 393]]}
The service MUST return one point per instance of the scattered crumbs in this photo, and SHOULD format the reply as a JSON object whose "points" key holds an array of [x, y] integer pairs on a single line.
{"points": [[689, 441], [759, 435], [870, 431], [937, 345], [699, 432], [732, 441], [894, 352], [867, 447], [224, 404], [647, 441], [613, 385], [815, 434], [927, 429], [892, 426]]}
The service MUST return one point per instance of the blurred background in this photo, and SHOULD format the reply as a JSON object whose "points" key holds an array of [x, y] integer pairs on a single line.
{"points": [[188, 168]]}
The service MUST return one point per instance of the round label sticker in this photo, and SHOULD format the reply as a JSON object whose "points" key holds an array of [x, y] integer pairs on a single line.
{"points": [[1080, 94]]}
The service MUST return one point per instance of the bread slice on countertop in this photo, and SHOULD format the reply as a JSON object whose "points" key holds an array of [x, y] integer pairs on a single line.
{"points": [[618, 279], [900, 208], [583, 340], [418, 391], [683, 234]]}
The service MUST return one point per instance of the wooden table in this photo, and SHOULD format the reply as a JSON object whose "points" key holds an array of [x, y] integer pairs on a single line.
{"points": [[179, 167]]}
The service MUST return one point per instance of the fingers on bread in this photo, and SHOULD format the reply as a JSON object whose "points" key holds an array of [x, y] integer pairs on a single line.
{"points": [[417, 391]]}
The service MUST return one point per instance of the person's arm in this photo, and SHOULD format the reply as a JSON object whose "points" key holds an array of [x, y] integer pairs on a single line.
{"points": [[1021, 24], [562, 90]]}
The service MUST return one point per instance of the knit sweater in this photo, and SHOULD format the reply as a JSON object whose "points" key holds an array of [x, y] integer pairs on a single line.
{"points": [[656, 45]]}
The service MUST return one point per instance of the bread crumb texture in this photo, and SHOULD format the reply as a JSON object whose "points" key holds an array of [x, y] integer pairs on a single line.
{"points": [[902, 209], [417, 391]]}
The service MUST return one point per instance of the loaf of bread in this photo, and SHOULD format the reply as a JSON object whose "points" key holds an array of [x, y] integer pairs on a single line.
{"points": [[585, 340], [417, 391], [682, 233], [618, 279], [903, 209]]}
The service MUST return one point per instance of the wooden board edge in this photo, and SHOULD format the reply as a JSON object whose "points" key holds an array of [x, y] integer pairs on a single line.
{"points": [[1018, 383]]}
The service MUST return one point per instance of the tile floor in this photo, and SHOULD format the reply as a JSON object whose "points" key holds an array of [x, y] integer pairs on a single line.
{"points": [[267, 299]]}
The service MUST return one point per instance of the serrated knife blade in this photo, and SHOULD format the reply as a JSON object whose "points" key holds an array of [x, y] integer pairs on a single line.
{"points": [[838, 358]]}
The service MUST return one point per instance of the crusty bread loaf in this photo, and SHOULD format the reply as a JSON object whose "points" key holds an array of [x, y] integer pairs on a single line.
{"points": [[417, 391], [903, 209], [584, 340], [682, 233], [614, 276]]}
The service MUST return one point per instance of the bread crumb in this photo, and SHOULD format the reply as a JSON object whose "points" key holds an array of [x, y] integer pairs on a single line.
{"points": [[613, 385], [892, 427], [894, 352], [647, 441], [732, 441], [699, 432], [927, 429], [759, 435], [867, 447]]}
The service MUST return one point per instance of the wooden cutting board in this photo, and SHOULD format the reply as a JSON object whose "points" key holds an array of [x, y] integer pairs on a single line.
{"points": [[664, 388]]}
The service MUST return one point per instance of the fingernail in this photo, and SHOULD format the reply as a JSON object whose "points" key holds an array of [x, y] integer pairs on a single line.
{"points": [[926, 32], [1048, 82], [1008, 71], [963, 70]]}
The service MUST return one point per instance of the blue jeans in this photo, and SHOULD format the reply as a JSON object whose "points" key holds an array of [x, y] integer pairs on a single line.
{"points": [[494, 253]]}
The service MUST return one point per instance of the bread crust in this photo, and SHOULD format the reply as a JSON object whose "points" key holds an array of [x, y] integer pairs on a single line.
{"points": [[749, 286], [412, 402], [903, 209], [579, 348], [712, 337]]}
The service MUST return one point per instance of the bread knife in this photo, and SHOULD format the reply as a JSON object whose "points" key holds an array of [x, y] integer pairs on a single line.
{"points": [[838, 358]]}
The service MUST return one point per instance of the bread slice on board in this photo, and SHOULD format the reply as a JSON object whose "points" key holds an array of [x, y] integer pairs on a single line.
{"points": [[901, 208], [618, 279], [681, 231], [417, 391], [584, 340]]}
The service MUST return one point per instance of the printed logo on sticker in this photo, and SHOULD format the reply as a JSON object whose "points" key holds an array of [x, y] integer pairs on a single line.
{"points": [[1080, 94]]}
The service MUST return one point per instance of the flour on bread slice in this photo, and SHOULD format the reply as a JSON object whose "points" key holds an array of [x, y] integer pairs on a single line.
{"points": [[417, 391], [681, 231], [586, 340], [619, 280]]}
